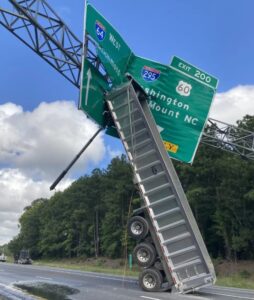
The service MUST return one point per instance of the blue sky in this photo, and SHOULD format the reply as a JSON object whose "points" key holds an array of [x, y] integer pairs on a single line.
{"points": [[40, 129], [213, 35]]}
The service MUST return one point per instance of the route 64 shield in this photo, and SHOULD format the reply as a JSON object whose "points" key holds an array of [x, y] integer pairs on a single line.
{"points": [[183, 88], [100, 31]]}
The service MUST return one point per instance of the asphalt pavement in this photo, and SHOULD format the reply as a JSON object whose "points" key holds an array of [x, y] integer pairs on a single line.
{"points": [[96, 286]]}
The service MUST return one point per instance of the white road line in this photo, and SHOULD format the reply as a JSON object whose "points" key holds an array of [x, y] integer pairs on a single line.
{"points": [[46, 278], [197, 297], [239, 297], [149, 298], [100, 276], [84, 273]]}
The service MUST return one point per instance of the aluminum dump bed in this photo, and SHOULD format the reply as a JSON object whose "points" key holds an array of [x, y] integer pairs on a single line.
{"points": [[174, 229]]}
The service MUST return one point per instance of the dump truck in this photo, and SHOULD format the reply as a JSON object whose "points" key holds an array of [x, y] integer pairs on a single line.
{"points": [[170, 248], [23, 258]]}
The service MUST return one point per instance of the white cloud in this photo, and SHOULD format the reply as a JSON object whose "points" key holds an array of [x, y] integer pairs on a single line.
{"points": [[234, 104], [9, 109], [34, 148], [114, 152], [16, 192], [42, 142]]}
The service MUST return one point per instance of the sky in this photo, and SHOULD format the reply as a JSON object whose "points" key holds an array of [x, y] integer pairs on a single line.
{"points": [[40, 127]]}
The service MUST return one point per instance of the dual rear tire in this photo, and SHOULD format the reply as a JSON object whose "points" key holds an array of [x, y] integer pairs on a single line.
{"points": [[144, 254], [138, 227], [150, 280]]}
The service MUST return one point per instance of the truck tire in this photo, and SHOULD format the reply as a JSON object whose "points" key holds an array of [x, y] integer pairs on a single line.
{"points": [[138, 227], [150, 280], [144, 255]]}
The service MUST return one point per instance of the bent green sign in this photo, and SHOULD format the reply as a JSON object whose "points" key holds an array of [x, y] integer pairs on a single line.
{"points": [[92, 97], [93, 87], [179, 95], [179, 103], [112, 50], [114, 54]]}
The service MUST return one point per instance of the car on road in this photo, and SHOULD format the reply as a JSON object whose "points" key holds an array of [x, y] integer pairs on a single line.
{"points": [[2, 258]]}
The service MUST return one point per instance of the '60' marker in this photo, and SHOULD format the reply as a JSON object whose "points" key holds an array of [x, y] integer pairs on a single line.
{"points": [[183, 88]]}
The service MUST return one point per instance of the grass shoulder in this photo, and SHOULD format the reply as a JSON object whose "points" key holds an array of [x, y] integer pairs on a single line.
{"points": [[239, 274], [99, 265]]}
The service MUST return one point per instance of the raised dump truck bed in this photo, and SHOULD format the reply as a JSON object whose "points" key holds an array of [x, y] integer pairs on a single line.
{"points": [[170, 248]]}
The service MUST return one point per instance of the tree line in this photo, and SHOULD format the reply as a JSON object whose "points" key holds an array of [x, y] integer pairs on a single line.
{"points": [[89, 218]]}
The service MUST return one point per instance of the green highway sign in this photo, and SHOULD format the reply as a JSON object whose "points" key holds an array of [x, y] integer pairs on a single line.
{"points": [[92, 97], [112, 50], [180, 95], [179, 103], [93, 87], [114, 54], [194, 72]]}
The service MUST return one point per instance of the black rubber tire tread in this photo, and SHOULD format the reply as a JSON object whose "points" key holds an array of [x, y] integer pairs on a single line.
{"points": [[157, 276], [152, 254], [143, 223]]}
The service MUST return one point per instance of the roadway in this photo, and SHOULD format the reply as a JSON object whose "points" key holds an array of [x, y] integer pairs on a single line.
{"points": [[95, 286]]}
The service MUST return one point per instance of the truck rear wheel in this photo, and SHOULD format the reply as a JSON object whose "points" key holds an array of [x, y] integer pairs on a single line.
{"points": [[144, 254], [138, 227], [150, 280]]}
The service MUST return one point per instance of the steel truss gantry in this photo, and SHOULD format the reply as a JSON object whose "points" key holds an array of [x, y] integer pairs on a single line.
{"points": [[38, 26], [230, 138]]}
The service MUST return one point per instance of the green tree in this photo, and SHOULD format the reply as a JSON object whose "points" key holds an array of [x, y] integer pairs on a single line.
{"points": [[118, 193]]}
